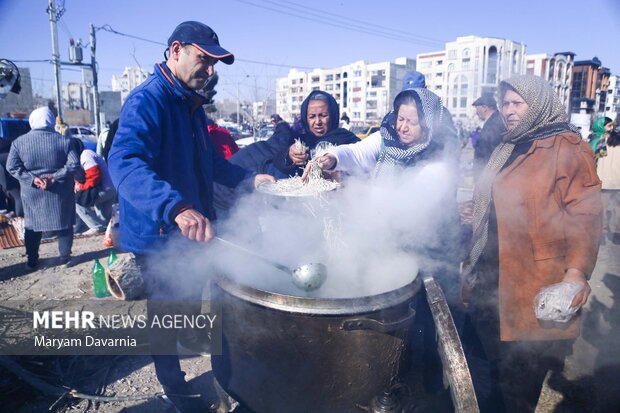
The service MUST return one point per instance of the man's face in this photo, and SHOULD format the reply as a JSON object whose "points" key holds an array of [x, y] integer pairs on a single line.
{"points": [[193, 67], [481, 111]]}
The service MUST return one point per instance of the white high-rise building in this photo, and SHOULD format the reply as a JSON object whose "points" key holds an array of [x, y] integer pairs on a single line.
{"points": [[557, 69], [128, 81], [363, 90], [469, 67], [612, 102]]}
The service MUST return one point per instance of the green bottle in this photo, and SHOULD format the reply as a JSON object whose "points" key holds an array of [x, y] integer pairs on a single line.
{"points": [[99, 284], [112, 257]]}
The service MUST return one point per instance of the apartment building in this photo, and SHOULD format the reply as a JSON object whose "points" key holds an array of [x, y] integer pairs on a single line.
{"points": [[590, 84], [469, 67], [557, 69], [612, 104], [128, 81], [363, 90]]}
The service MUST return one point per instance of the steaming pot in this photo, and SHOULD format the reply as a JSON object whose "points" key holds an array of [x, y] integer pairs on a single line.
{"points": [[286, 354]]}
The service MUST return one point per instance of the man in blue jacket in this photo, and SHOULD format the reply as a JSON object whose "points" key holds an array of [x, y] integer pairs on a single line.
{"points": [[163, 165]]}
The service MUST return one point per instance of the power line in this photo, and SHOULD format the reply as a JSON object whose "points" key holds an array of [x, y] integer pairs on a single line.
{"points": [[108, 28], [365, 23], [345, 24]]}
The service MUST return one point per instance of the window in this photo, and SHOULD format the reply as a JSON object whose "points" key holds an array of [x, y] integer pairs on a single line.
{"points": [[439, 62], [465, 53], [329, 78], [315, 79], [452, 54], [465, 64], [425, 65], [357, 73], [515, 62], [329, 87], [492, 65], [450, 67]]}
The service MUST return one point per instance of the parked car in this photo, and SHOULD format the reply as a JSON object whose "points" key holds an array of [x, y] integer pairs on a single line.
{"points": [[234, 132], [265, 132], [86, 135], [362, 132]]}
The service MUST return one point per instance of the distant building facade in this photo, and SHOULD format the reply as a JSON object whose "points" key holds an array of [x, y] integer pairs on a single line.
{"points": [[468, 68], [75, 96], [590, 84], [262, 110], [557, 69], [612, 104], [109, 106], [362, 89], [128, 81]]}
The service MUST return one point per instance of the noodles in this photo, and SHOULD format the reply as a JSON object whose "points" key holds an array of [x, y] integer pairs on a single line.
{"points": [[296, 187]]}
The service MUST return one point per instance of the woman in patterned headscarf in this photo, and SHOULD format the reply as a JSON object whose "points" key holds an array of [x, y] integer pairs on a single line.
{"points": [[421, 131], [418, 135], [537, 222]]}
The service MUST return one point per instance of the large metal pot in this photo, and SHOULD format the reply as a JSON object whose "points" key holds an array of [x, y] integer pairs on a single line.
{"points": [[285, 354]]}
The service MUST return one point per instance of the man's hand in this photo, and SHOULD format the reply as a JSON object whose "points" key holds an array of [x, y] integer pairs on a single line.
{"points": [[263, 178], [298, 157], [194, 225], [575, 276]]}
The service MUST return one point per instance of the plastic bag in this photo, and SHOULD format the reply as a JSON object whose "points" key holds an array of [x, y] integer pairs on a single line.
{"points": [[552, 303]]}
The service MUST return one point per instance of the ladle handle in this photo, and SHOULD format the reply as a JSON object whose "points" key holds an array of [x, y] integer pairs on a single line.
{"points": [[255, 255]]}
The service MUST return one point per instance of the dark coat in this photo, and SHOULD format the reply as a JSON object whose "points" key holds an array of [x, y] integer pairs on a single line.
{"points": [[490, 136], [335, 135], [257, 157]]}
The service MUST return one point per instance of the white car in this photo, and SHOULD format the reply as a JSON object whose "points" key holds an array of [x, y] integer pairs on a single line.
{"points": [[248, 141]]}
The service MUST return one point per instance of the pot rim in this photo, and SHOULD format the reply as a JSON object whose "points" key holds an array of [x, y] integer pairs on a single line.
{"points": [[320, 306]]}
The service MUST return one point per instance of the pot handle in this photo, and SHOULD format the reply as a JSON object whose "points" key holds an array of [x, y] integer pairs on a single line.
{"points": [[376, 325]]}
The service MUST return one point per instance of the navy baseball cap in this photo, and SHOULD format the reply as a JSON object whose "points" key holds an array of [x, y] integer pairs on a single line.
{"points": [[203, 37], [414, 80]]}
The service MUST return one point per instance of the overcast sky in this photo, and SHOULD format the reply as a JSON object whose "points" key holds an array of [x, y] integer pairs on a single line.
{"points": [[268, 37]]}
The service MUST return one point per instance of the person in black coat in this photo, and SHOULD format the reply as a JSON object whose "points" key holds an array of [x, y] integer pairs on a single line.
{"points": [[320, 117], [491, 133], [257, 157]]}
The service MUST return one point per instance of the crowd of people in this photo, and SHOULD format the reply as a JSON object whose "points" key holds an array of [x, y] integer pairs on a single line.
{"points": [[542, 198]]}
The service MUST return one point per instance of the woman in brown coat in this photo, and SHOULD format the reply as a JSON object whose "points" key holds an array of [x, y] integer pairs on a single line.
{"points": [[537, 222]]}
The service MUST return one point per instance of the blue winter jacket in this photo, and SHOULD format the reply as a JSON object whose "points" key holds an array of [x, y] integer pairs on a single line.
{"points": [[162, 161]]}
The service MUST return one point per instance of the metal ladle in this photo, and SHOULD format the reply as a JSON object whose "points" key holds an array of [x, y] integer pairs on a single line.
{"points": [[308, 277]]}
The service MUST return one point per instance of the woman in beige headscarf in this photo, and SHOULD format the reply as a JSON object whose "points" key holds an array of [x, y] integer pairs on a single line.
{"points": [[537, 222]]}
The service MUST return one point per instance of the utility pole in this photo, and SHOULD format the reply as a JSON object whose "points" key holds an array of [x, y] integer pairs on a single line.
{"points": [[93, 64], [55, 53]]}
